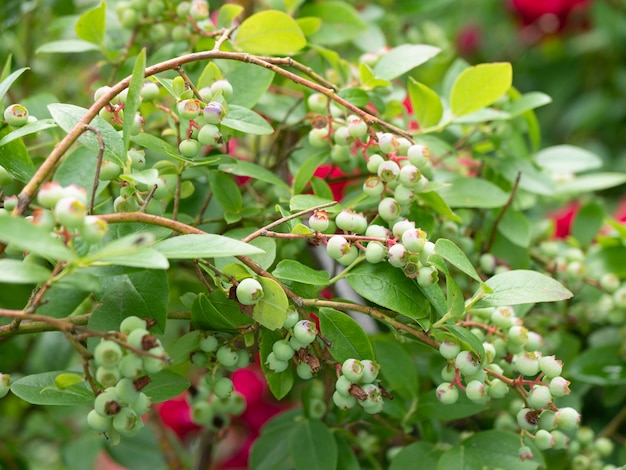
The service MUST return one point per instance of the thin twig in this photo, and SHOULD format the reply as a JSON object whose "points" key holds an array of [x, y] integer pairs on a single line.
{"points": [[224, 37], [492, 235], [188, 81], [96, 177]]}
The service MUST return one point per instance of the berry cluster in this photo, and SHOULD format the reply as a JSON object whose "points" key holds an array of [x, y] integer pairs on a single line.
{"points": [[123, 374], [358, 383], [512, 360], [296, 346]]}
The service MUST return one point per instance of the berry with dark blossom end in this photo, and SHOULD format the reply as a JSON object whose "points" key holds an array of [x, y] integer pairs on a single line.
{"points": [[447, 393], [249, 291], [352, 369], [527, 418], [305, 331], [319, 221], [16, 115], [126, 391], [213, 112], [107, 402]]}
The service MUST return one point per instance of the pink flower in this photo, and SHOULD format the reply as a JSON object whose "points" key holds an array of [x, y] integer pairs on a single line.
{"points": [[542, 18], [563, 219], [175, 414]]}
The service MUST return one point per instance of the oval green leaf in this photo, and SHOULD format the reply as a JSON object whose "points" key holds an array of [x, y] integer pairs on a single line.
{"points": [[41, 389], [13, 271], [293, 270], [313, 446], [245, 120], [346, 335], [271, 310], [479, 86], [522, 287], [270, 32], [206, 245], [473, 192], [402, 59]]}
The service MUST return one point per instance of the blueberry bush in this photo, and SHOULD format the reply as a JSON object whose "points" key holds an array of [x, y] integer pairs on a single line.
{"points": [[199, 198]]}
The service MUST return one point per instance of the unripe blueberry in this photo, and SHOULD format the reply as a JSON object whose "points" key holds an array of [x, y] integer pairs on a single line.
{"points": [[375, 252], [397, 255], [291, 319], [388, 171], [402, 226], [319, 220], [93, 229], [70, 212], [340, 154], [275, 364], [5, 384], [559, 387], [449, 350], [498, 389], [418, 155], [373, 186], [567, 418], [109, 170], [370, 371], [209, 135], [150, 91], [189, 148], [550, 366], [467, 363], [107, 376], [603, 446], [317, 103], [244, 359], [125, 204], [140, 338], [403, 194], [389, 209], [356, 127], [131, 366], [249, 291], [142, 404], [414, 239], [540, 397], [448, 373], [547, 420], [490, 352], [223, 388], [131, 323], [227, 356], [534, 343], [296, 344], [447, 394], [610, 282], [189, 109], [409, 175], [202, 413], [107, 402], [222, 86], [152, 365], [129, 18], [527, 418], [352, 369], [98, 422], [208, 344], [107, 353], [199, 10], [477, 391], [388, 142], [304, 371], [337, 247], [343, 385], [342, 401], [503, 317], [318, 137], [126, 391], [127, 422], [377, 231], [427, 276], [213, 112], [305, 331], [525, 453], [374, 162], [518, 335], [16, 115], [527, 363], [282, 350], [427, 252]]}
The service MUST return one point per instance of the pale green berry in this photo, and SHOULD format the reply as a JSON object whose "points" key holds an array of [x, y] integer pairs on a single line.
{"points": [[70, 212], [107, 376], [126, 391], [5, 385], [343, 385], [275, 364], [374, 162], [540, 397], [282, 350], [527, 418], [375, 252], [397, 255], [304, 371], [388, 171], [208, 344], [107, 402], [350, 257], [477, 391], [107, 353], [249, 291], [550, 366], [447, 394], [525, 453], [97, 422], [319, 221], [202, 413], [223, 387], [305, 331], [342, 401], [567, 418], [373, 186], [291, 319], [467, 363], [352, 369], [131, 366], [498, 389], [227, 356], [449, 350], [337, 247], [527, 363]]}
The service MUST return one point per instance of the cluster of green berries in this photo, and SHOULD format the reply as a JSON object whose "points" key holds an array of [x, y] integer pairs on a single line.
{"points": [[358, 383], [123, 374], [5, 384], [214, 401], [113, 111], [213, 350], [295, 346], [512, 358], [17, 115]]}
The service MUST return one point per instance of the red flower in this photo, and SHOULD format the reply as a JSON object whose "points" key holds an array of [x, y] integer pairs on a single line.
{"points": [[175, 414], [327, 172], [468, 40], [563, 219], [541, 18]]}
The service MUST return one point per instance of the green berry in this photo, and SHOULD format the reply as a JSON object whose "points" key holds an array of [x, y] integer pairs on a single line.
{"points": [[418, 155], [342, 401], [356, 127], [446, 393], [305, 331], [16, 115], [388, 142], [527, 418], [107, 353], [213, 112], [222, 86], [202, 413], [567, 418], [209, 135], [150, 91], [373, 186], [540, 397], [477, 391], [107, 376], [282, 350], [388, 171], [5, 384], [189, 148], [291, 319], [107, 402], [467, 363], [527, 363], [525, 453], [189, 109], [389, 209], [337, 247], [409, 175], [343, 385], [397, 255], [550, 366], [296, 344], [249, 291], [142, 404], [603, 446], [449, 350], [227, 356], [304, 371], [375, 252], [275, 364], [127, 422], [132, 323], [199, 10], [109, 170], [93, 229], [317, 103], [208, 344], [139, 338], [448, 373], [152, 365], [98, 422], [131, 366], [370, 371], [319, 220], [70, 212], [498, 389], [374, 162], [318, 137], [352, 369], [223, 388]]}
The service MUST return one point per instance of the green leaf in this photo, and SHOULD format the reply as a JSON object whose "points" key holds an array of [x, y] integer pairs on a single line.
{"points": [[28, 129], [14, 157], [91, 24], [459, 458], [280, 383], [206, 245], [473, 192], [131, 250], [455, 256], [427, 107], [313, 446], [433, 200], [67, 117], [293, 270], [64, 46], [527, 102], [77, 165], [340, 22], [307, 169], [156, 144], [41, 389], [8, 81], [270, 32], [346, 335], [67, 379], [245, 120], [13, 271], [165, 385], [426, 453], [127, 292], [390, 288], [227, 14], [431, 408], [588, 222], [397, 367], [33, 239], [591, 182], [216, 312], [522, 287], [468, 340], [479, 86], [133, 100], [402, 59], [356, 96], [244, 168], [271, 310], [515, 226], [226, 191], [567, 159], [368, 79], [602, 366], [272, 449], [302, 202], [249, 81], [499, 449]]}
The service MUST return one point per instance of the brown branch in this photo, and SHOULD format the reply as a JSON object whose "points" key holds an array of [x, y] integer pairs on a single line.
{"points": [[96, 177], [492, 235]]}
